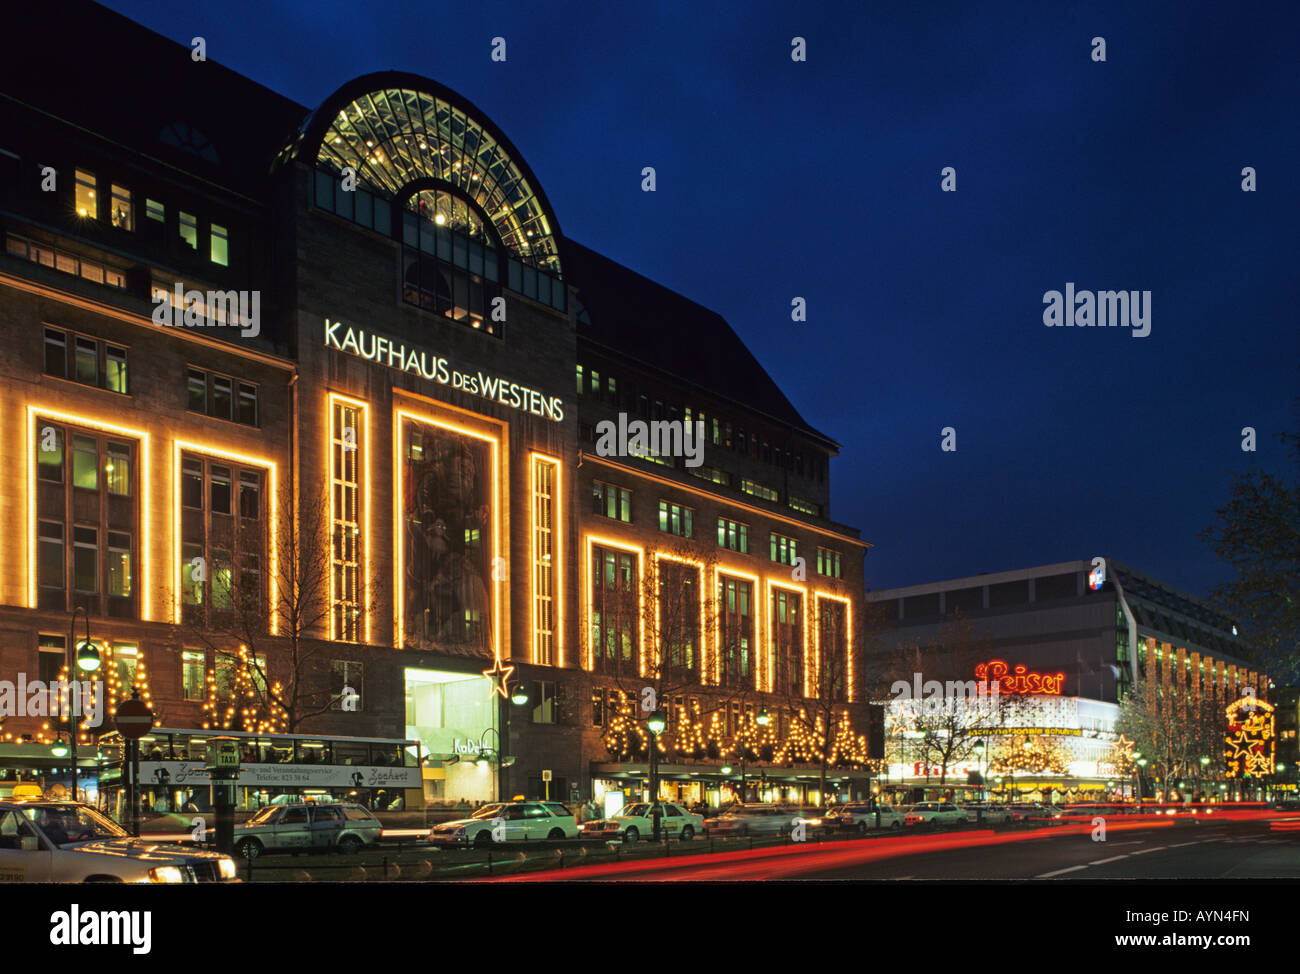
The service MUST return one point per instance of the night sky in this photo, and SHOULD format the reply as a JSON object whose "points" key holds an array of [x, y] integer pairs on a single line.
{"points": [[822, 180]]}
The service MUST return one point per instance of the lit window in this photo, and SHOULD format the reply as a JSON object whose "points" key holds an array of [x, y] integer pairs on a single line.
{"points": [[192, 674], [117, 469], [123, 217], [189, 227], [220, 245], [85, 463], [119, 564], [153, 210], [87, 205]]}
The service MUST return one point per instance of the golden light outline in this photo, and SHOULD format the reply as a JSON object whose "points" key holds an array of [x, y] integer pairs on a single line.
{"points": [[557, 561], [364, 408], [400, 414], [590, 660], [771, 629], [818, 595], [146, 535], [699, 566], [718, 572], [271, 468]]}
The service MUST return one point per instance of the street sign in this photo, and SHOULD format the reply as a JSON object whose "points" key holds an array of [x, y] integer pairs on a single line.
{"points": [[223, 752], [546, 776], [134, 719]]}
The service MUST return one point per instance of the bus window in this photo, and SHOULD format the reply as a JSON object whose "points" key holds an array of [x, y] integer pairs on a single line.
{"points": [[350, 752], [386, 755], [279, 753], [313, 752]]}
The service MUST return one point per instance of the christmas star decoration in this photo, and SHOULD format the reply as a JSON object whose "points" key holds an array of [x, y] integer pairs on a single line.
{"points": [[499, 675]]}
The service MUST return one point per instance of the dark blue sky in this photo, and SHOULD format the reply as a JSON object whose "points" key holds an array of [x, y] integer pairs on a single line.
{"points": [[821, 180]]}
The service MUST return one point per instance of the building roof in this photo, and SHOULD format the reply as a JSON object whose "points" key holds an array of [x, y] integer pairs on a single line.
{"points": [[632, 315]]}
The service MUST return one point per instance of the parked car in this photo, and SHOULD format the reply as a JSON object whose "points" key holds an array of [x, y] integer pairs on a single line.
{"points": [[316, 827], [987, 813], [71, 842], [936, 813], [631, 822], [1030, 811], [861, 816], [508, 822], [752, 819]]}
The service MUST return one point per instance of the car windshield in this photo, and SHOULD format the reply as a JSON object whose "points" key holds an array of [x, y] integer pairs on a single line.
{"points": [[66, 825], [265, 815], [488, 811]]}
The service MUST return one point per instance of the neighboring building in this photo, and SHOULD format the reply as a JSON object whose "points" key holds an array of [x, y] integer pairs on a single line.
{"points": [[394, 404], [1094, 635]]}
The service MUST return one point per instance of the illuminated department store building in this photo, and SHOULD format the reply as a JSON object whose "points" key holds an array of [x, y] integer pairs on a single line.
{"points": [[1069, 641], [420, 393]]}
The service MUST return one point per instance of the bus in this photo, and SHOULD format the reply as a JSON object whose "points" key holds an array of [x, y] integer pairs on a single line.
{"points": [[382, 773]]}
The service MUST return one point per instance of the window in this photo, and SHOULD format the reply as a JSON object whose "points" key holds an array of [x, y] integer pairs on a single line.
{"points": [[220, 248], [250, 491], [598, 707], [756, 489], [804, 506], [153, 210], [543, 701], [675, 519], [221, 554], [117, 469], [63, 261], [828, 563], [193, 675], [712, 474], [87, 205], [347, 676], [782, 549], [450, 260], [119, 565], [347, 443], [85, 559], [612, 502], [580, 388], [735, 597], [545, 475], [787, 641], [615, 604], [51, 657], [50, 555], [85, 462], [214, 395], [126, 661], [93, 362], [123, 216], [733, 535], [50, 454], [189, 230], [219, 489]]}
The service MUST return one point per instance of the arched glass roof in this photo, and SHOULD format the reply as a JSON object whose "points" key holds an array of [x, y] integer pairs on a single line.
{"points": [[396, 133]]}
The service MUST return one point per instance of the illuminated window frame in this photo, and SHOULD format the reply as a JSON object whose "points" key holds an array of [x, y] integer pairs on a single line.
{"points": [[401, 414], [589, 653], [757, 586], [549, 642], [273, 589], [145, 535], [848, 637], [702, 641], [362, 489], [771, 636]]}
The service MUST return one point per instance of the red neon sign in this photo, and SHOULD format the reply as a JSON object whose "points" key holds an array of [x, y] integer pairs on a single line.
{"points": [[1019, 680]]}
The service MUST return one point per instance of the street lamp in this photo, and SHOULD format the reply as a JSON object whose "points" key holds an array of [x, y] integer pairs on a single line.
{"points": [[984, 785], [87, 659], [520, 696], [58, 748], [1141, 763], [763, 718], [655, 723]]}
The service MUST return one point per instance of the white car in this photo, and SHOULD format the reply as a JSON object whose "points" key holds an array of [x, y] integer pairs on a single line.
{"points": [[987, 813], [936, 813], [71, 842], [862, 816], [631, 822], [307, 828], [508, 822]]}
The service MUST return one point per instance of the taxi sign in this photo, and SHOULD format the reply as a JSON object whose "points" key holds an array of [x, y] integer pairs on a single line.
{"points": [[223, 752]]}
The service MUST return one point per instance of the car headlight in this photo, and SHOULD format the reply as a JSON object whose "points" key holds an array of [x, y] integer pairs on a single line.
{"points": [[168, 874], [227, 867]]}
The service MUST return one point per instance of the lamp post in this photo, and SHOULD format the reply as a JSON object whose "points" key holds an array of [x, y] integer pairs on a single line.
{"points": [[984, 788], [1141, 763], [87, 658], [1200, 780], [655, 723]]}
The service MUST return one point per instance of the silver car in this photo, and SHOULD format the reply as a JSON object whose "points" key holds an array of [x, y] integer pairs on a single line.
{"points": [[307, 828], [70, 842]]}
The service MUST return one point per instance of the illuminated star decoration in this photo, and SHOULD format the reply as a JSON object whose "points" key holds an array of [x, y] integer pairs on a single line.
{"points": [[499, 675], [1124, 746]]}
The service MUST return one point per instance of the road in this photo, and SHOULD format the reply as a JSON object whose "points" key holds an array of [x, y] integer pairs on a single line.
{"points": [[1248, 848]]}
